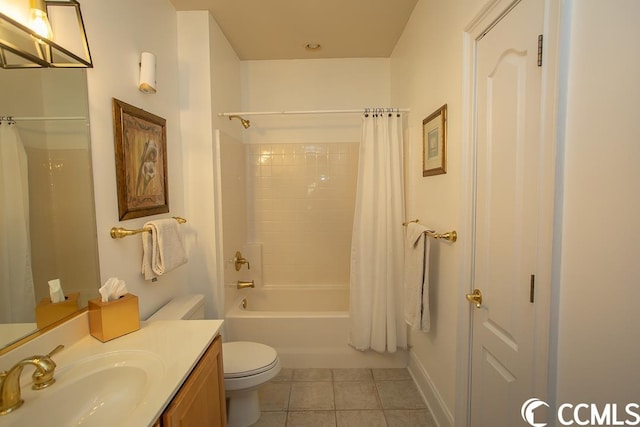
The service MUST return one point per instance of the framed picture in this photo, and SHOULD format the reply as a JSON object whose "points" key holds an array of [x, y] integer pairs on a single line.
{"points": [[141, 161], [434, 143]]}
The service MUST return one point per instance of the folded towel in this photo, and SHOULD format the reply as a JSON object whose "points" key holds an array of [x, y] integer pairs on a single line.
{"points": [[416, 277], [162, 248]]}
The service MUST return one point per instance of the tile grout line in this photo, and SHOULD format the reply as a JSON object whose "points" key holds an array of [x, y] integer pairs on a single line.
{"points": [[333, 390], [286, 418]]}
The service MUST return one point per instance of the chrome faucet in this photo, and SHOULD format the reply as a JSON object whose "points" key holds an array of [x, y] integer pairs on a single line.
{"points": [[10, 398]]}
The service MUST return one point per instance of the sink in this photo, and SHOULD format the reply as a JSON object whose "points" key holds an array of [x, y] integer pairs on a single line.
{"points": [[101, 390]]}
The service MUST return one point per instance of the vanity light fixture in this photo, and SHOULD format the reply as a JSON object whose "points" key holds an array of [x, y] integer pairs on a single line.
{"points": [[147, 82], [50, 35]]}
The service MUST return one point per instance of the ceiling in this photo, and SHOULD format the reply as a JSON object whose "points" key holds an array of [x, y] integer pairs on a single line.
{"points": [[280, 29]]}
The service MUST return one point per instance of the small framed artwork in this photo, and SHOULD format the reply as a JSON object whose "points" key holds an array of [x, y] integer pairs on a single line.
{"points": [[141, 161], [434, 143]]}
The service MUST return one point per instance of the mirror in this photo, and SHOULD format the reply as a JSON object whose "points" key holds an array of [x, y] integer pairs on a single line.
{"points": [[48, 231]]}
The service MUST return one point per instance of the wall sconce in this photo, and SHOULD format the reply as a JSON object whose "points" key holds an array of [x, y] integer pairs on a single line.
{"points": [[51, 34], [147, 73]]}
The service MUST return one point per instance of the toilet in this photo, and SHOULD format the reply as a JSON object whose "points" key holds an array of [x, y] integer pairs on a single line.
{"points": [[247, 365]]}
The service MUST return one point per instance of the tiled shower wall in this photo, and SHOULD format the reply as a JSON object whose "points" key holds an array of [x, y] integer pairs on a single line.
{"points": [[301, 199]]}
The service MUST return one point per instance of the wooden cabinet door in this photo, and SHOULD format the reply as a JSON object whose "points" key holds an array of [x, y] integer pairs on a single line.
{"points": [[201, 401]]}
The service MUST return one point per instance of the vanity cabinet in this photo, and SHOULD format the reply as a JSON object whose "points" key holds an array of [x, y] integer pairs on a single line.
{"points": [[201, 400]]}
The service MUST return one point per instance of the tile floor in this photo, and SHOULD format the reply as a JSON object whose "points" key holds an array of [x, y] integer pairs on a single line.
{"points": [[343, 398]]}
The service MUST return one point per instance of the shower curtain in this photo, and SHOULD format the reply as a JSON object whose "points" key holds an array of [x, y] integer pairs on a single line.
{"points": [[16, 280], [376, 303]]}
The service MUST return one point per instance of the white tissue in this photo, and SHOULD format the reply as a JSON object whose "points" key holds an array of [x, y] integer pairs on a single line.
{"points": [[55, 291], [113, 289]]}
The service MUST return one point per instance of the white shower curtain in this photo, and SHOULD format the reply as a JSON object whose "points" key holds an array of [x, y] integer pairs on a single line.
{"points": [[376, 303], [16, 280]]}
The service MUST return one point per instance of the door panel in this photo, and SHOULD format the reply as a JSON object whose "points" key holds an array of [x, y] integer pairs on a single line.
{"points": [[507, 150]]}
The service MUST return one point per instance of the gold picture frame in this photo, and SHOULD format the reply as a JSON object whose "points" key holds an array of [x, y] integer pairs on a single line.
{"points": [[434, 143], [141, 161]]}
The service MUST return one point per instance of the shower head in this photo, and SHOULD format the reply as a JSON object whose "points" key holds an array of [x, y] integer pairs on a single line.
{"points": [[246, 123]]}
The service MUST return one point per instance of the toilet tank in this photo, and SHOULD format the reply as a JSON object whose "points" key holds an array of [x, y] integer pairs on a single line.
{"points": [[185, 307]]}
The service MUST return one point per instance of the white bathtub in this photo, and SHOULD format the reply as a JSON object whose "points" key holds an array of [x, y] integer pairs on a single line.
{"points": [[308, 327]]}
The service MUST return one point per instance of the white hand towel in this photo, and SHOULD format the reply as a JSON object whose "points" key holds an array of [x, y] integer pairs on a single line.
{"points": [[416, 281], [162, 248]]}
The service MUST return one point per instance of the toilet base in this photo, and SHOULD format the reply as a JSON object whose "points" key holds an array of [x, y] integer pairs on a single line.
{"points": [[244, 408]]}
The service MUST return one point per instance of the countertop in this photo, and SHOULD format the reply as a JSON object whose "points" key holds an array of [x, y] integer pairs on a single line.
{"points": [[178, 344]]}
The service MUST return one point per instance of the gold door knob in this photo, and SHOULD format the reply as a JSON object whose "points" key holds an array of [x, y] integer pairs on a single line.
{"points": [[475, 298]]}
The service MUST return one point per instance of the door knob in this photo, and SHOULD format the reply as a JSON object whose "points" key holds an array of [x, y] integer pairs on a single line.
{"points": [[475, 298]]}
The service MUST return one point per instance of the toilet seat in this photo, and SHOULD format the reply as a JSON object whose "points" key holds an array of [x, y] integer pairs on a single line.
{"points": [[245, 359]]}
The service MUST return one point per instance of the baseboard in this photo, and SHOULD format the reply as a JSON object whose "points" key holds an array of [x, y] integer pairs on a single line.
{"points": [[439, 410]]}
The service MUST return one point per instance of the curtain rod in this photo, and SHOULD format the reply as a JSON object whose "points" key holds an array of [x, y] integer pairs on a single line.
{"points": [[33, 118], [272, 113]]}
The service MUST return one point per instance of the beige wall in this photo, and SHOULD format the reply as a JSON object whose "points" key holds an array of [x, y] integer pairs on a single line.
{"points": [[209, 84], [426, 72], [118, 31], [598, 275], [318, 84]]}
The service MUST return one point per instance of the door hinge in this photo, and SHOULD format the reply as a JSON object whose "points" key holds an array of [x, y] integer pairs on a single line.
{"points": [[532, 289], [540, 50]]}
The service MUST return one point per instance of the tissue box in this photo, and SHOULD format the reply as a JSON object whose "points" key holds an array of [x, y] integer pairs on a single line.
{"points": [[48, 312], [109, 320]]}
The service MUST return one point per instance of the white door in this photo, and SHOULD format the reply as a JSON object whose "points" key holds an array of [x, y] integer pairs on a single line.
{"points": [[507, 142]]}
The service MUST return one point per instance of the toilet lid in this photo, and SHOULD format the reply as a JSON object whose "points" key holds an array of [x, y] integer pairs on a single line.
{"points": [[243, 358]]}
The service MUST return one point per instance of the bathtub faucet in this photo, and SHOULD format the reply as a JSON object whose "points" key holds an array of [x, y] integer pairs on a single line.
{"points": [[239, 260], [242, 284]]}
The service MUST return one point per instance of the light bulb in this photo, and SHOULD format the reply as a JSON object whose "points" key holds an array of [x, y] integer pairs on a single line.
{"points": [[38, 19]]}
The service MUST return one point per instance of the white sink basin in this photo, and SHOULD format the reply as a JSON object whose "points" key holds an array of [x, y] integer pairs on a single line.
{"points": [[101, 390]]}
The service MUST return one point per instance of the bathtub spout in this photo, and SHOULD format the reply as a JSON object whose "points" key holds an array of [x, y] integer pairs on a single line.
{"points": [[242, 284]]}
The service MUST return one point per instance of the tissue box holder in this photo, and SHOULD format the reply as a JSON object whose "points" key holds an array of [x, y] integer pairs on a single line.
{"points": [[48, 312], [113, 319]]}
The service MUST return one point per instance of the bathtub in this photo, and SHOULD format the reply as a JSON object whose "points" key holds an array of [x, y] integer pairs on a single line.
{"points": [[309, 328]]}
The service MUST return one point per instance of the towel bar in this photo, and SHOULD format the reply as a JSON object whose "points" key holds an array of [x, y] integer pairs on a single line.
{"points": [[450, 236], [120, 232]]}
